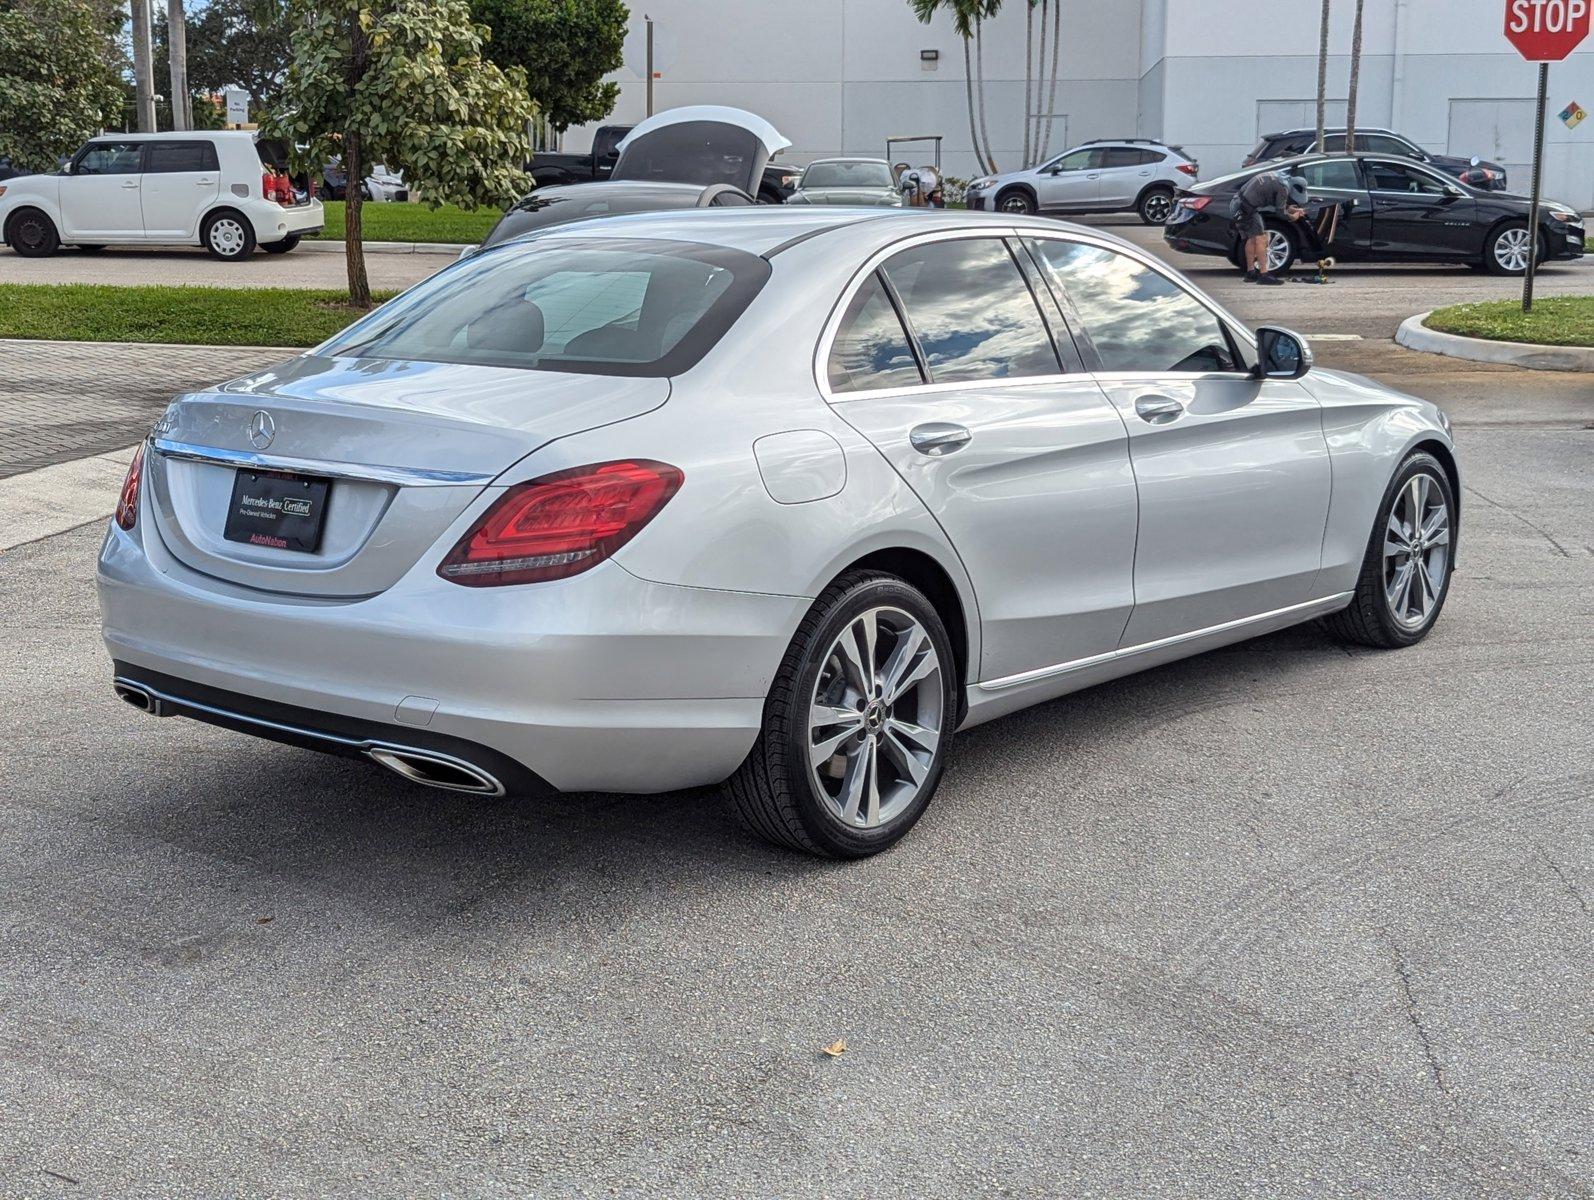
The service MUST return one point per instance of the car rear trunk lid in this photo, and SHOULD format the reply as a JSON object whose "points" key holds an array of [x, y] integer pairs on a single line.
{"points": [[406, 447]]}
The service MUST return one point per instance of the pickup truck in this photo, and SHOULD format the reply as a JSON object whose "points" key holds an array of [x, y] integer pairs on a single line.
{"points": [[549, 168]]}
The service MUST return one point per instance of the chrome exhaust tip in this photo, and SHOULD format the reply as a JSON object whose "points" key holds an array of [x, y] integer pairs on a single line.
{"points": [[140, 697], [436, 770]]}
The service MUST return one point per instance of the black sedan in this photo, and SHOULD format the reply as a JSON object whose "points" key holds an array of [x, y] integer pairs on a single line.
{"points": [[557, 205], [1376, 209]]}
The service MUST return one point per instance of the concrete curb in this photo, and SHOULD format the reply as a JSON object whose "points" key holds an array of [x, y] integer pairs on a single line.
{"points": [[1414, 335], [326, 246]]}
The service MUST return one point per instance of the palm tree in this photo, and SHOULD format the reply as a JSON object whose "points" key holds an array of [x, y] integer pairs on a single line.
{"points": [[1051, 88], [980, 10], [965, 17], [1322, 75], [1355, 80], [1029, 76], [177, 59]]}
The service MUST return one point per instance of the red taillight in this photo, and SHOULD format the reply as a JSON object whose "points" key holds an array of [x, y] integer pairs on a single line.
{"points": [[127, 505], [561, 524], [1189, 169]]}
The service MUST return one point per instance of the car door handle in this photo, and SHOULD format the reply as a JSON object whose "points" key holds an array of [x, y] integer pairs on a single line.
{"points": [[1158, 410], [938, 438], [205, 183], [130, 183], [1095, 176]]}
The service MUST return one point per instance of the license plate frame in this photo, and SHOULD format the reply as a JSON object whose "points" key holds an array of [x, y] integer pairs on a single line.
{"points": [[282, 510]]}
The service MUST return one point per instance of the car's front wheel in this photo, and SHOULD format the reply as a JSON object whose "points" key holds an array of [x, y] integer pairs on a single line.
{"points": [[227, 235], [1405, 575], [32, 234], [1016, 200], [1507, 251], [857, 724], [1156, 206]]}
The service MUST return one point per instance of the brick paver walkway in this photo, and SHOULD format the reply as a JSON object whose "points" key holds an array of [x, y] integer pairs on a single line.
{"points": [[65, 400]]}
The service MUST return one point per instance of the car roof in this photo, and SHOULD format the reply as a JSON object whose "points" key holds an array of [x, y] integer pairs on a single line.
{"points": [[174, 135], [1267, 137], [767, 229], [864, 158]]}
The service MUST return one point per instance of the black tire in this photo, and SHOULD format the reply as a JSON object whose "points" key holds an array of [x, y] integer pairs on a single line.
{"points": [[227, 235], [774, 793], [1493, 256], [1156, 205], [1292, 252], [1017, 201], [282, 247], [1369, 620], [32, 234]]}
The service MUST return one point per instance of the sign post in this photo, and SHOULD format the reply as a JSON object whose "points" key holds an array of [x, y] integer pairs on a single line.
{"points": [[1543, 31]]}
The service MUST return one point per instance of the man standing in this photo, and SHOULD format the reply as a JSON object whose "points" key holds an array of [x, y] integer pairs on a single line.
{"points": [[1269, 192]]}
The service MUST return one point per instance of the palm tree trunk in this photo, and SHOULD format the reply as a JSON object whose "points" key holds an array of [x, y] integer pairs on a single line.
{"points": [[177, 61], [968, 89], [1051, 95], [979, 68], [1355, 80], [1322, 76], [1029, 77]]}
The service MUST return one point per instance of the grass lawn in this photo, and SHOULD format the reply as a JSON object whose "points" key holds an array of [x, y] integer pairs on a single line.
{"points": [[1554, 321], [198, 315], [395, 222]]}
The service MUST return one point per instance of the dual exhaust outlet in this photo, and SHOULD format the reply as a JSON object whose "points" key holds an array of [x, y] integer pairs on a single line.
{"points": [[426, 767]]}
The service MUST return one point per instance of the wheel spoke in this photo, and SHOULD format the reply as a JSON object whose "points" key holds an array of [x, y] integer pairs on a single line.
{"points": [[1399, 589], [905, 758], [824, 750], [860, 769], [1433, 578], [1396, 539], [916, 736], [1422, 598], [1436, 530], [859, 668], [894, 675], [871, 811]]}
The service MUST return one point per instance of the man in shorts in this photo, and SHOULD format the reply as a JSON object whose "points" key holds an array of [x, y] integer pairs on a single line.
{"points": [[1269, 192]]}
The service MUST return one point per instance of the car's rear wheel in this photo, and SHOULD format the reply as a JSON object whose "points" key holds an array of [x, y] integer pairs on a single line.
{"points": [[857, 724], [1016, 200], [1156, 206], [1507, 251], [282, 247], [32, 234], [227, 235], [1405, 575]]}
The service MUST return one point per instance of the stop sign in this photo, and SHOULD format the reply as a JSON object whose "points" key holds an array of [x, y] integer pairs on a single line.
{"points": [[1546, 30]]}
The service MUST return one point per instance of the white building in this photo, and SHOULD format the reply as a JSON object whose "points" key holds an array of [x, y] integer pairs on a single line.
{"points": [[839, 76]]}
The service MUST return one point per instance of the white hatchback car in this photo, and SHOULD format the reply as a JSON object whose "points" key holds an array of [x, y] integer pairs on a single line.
{"points": [[218, 189]]}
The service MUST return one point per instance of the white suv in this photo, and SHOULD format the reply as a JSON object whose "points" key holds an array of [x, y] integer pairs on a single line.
{"points": [[216, 188], [1107, 175]]}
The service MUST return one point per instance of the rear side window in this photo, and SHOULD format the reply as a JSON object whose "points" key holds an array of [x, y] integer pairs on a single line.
{"points": [[1137, 319], [110, 158], [1340, 176], [1377, 143], [871, 349], [588, 306], [971, 310], [169, 158]]}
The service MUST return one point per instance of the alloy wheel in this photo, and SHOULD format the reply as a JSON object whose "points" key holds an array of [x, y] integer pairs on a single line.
{"points": [[1017, 202], [1511, 249], [1157, 208], [227, 237], [1278, 250], [1416, 551], [876, 717]]}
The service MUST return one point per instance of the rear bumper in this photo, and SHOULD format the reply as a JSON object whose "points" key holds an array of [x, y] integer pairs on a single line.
{"points": [[603, 682], [272, 222]]}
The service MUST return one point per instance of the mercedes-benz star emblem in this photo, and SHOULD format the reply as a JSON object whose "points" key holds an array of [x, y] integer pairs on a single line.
{"points": [[262, 429]]}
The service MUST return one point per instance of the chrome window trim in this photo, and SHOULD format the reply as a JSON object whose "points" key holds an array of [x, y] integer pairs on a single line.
{"points": [[1410, 164], [1326, 603], [838, 311], [364, 472]]}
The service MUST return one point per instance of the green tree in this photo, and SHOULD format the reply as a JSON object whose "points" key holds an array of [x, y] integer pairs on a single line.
{"points": [[403, 82], [234, 43], [967, 18], [566, 47], [60, 77]]}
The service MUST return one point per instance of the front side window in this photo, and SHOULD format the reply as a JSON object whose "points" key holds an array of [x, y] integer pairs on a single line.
{"points": [[170, 158], [1397, 177], [1338, 175], [871, 349], [1137, 319], [1076, 160], [110, 158], [598, 307], [971, 310]]}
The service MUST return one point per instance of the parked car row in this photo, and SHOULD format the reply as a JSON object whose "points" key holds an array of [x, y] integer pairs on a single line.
{"points": [[1297, 142]]}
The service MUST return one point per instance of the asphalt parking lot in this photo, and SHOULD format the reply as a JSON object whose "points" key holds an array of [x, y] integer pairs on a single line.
{"points": [[1286, 919]]}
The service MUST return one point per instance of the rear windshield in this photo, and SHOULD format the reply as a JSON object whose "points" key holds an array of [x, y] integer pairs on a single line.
{"points": [[847, 175], [557, 206], [693, 152], [589, 306]]}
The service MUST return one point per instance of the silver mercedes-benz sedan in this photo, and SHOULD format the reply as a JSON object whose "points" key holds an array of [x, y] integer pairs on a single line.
{"points": [[773, 499]]}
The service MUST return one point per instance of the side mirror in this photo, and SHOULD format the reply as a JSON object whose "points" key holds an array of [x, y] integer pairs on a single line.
{"points": [[1453, 191], [1281, 354]]}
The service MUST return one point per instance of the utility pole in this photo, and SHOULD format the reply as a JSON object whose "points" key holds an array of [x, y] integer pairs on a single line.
{"points": [[177, 53], [648, 21], [143, 67]]}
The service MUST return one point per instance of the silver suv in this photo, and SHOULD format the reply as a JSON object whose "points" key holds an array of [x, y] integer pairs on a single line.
{"points": [[1106, 175]]}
